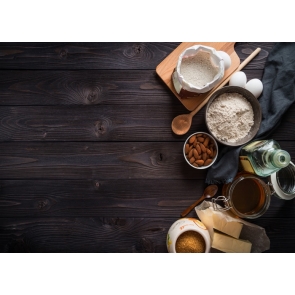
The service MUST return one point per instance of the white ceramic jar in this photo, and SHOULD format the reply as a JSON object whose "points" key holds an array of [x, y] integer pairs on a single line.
{"points": [[199, 69], [186, 226]]}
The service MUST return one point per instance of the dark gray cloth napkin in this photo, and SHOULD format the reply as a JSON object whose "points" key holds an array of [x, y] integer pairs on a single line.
{"points": [[278, 95]]}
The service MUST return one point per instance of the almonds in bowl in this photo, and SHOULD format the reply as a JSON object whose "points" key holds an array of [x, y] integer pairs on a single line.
{"points": [[200, 150]]}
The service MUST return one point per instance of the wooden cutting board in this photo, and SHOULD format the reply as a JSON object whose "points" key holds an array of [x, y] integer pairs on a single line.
{"points": [[167, 66]]}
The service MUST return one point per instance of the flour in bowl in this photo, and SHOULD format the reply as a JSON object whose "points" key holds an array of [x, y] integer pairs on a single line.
{"points": [[230, 117]]}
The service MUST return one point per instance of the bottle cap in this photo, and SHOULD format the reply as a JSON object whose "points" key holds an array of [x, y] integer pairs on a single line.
{"points": [[281, 159]]}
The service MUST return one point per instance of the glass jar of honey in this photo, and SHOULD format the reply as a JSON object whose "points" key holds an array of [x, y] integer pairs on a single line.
{"points": [[247, 196]]}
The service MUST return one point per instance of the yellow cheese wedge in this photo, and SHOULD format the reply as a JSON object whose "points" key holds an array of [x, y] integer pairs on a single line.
{"points": [[229, 244], [232, 228]]}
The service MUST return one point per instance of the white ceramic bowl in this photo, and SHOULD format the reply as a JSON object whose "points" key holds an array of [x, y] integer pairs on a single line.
{"points": [[183, 225], [212, 139]]}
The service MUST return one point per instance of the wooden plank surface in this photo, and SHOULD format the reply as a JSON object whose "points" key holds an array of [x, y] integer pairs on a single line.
{"points": [[95, 87], [102, 123], [88, 160], [106, 160], [112, 235], [87, 55], [108, 197]]}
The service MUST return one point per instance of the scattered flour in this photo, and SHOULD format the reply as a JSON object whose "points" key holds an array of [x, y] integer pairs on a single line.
{"points": [[198, 69], [230, 117]]}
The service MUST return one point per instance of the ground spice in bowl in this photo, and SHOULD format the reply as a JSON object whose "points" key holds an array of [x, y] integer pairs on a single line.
{"points": [[190, 242]]}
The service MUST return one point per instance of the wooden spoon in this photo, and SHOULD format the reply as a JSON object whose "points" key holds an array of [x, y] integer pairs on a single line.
{"points": [[209, 192], [182, 123]]}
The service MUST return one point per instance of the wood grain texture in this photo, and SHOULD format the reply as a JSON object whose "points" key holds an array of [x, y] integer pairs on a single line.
{"points": [[105, 123], [106, 198], [100, 55], [95, 123], [97, 197], [104, 160], [126, 160], [244, 49], [112, 235], [95, 87], [88, 161]]}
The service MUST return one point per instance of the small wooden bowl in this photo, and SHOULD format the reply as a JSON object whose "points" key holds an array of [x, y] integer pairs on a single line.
{"points": [[256, 110]]}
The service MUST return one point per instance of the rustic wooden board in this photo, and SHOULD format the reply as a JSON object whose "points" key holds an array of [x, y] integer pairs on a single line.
{"points": [[166, 67]]}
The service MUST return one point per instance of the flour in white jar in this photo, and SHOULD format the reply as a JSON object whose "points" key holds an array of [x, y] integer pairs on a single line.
{"points": [[230, 117]]}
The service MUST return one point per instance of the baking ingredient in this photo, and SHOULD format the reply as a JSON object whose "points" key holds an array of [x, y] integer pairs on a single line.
{"points": [[231, 228], [263, 157], [229, 244], [238, 79], [190, 242], [230, 117], [226, 59], [248, 197], [182, 123], [200, 150], [198, 69], [255, 86]]}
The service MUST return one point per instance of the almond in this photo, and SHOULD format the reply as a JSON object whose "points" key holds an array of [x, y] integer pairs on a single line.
{"points": [[186, 148], [208, 152], [196, 154], [200, 162], [198, 149], [202, 148], [192, 139], [206, 142], [192, 160], [190, 154]]}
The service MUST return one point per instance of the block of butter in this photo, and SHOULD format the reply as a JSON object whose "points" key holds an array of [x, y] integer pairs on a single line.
{"points": [[229, 244], [232, 228]]}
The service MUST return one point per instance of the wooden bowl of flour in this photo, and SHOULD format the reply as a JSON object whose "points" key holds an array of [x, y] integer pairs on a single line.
{"points": [[233, 115]]}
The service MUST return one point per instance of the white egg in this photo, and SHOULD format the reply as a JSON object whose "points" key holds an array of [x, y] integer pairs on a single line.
{"points": [[238, 79], [255, 86], [226, 59]]}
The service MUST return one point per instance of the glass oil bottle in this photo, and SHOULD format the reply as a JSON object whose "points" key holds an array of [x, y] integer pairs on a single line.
{"points": [[263, 157]]}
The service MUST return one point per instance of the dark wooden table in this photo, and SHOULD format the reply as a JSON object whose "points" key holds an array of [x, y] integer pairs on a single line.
{"points": [[88, 160]]}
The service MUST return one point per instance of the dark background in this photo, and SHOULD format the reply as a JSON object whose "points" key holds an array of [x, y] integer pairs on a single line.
{"points": [[88, 160]]}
